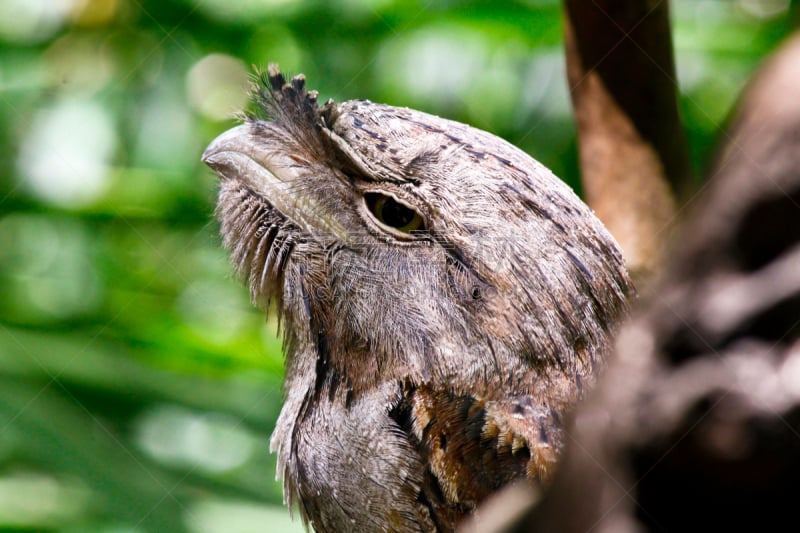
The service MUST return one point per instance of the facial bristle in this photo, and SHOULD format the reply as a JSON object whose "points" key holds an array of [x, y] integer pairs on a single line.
{"points": [[299, 83], [274, 77], [290, 104], [279, 98]]}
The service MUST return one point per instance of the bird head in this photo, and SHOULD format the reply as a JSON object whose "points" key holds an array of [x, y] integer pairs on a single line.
{"points": [[397, 243]]}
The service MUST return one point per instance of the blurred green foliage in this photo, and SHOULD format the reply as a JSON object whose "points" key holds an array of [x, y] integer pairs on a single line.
{"points": [[138, 387]]}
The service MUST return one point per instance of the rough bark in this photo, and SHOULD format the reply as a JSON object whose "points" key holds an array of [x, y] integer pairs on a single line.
{"points": [[633, 152]]}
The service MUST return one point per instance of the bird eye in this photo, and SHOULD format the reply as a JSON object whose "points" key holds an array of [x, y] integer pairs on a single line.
{"points": [[393, 213]]}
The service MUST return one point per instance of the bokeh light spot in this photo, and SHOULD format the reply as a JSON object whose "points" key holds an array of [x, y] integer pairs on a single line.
{"points": [[64, 158], [32, 501], [217, 86], [213, 443], [764, 9], [222, 516], [32, 21], [92, 13]]}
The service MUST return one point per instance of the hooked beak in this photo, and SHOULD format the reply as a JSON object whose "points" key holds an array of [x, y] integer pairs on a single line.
{"points": [[242, 154]]}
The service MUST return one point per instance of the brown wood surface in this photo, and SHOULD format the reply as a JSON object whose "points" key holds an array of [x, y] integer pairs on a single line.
{"points": [[633, 151]]}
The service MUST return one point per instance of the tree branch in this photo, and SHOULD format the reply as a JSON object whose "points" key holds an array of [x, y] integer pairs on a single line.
{"points": [[633, 151]]}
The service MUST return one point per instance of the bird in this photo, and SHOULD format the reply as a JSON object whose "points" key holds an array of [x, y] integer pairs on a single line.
{"points": [[444, 299]]}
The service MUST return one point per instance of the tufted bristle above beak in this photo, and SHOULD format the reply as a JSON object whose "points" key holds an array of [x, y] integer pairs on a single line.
{"points": [[279, 98]]}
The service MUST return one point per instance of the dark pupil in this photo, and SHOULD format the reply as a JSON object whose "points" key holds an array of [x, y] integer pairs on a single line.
{"points": [[395, 214]]}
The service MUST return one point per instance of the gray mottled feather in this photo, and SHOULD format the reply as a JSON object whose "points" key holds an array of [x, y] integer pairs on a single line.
{"points": [[510, 292]]}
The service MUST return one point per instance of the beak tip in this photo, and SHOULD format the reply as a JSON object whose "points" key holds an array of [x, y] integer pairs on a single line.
{"points": [[219, 152], [208, 156]]}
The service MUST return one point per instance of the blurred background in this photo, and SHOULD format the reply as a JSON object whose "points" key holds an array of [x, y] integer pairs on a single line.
{"points": [[138, 387]]}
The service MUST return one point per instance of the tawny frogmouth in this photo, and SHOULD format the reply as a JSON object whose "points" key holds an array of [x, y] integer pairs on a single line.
{"points": [[445, 301]]}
